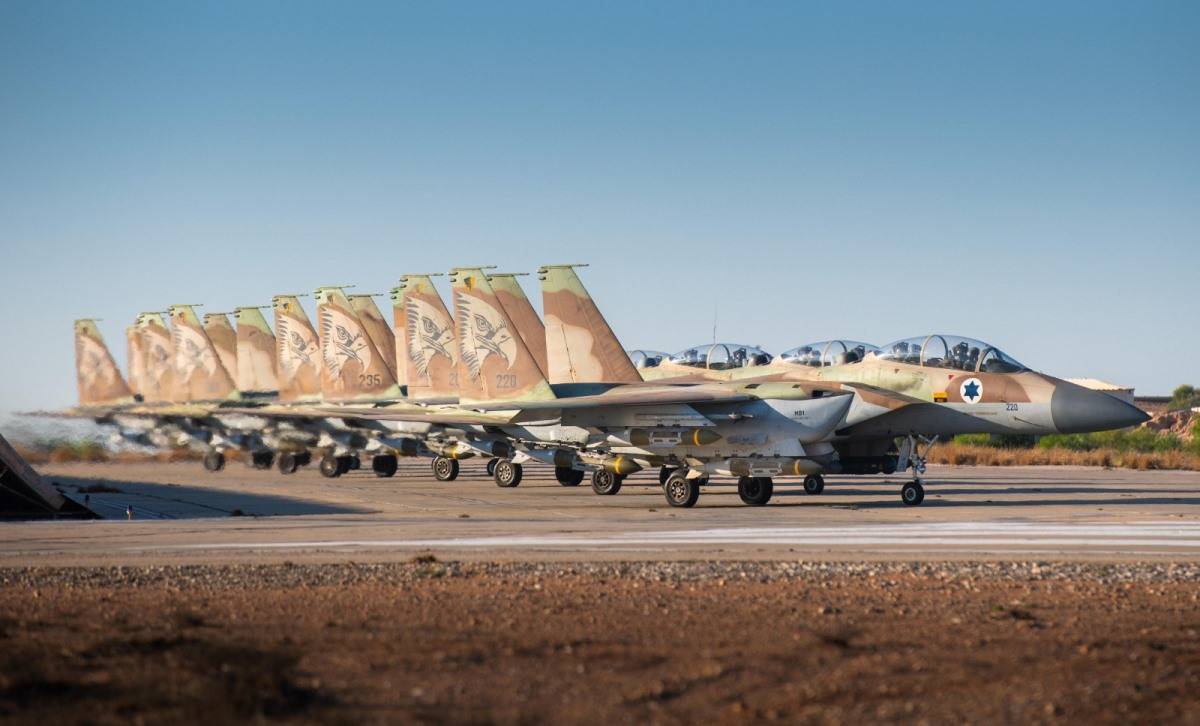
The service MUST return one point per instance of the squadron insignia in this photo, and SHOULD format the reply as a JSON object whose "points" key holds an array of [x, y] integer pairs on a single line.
{"points": [[971, 390], [484, 333]]}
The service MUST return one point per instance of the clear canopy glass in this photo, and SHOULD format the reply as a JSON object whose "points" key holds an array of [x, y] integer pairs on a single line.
{"points": [[646, 358], [722, 356], [953, 352], [828, 353]]}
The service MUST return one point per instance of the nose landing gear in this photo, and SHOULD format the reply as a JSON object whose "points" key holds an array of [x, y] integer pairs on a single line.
{"points": [[912, 493]]}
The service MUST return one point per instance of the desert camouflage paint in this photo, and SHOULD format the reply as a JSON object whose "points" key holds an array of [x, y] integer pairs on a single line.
{"points": [[378, 331], [136, 358], [224, 339], [158, 351], [353, 369], [298, 351], [256, 351], [581, 347], [494, 364], [98, 378], [430, 351], [199, 374], [521, 312]]}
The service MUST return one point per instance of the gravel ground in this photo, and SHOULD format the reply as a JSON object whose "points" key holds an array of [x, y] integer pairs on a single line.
{"points": [[661, 642]]}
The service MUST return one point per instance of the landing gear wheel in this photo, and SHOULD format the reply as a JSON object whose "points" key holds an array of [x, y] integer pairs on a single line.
{"points": [[663, 473], [303, 458], [567, 476], [506, 474], [214, 461], [262, 459], [756, 490], [331, 467], [605, 483], [445, 469], [814, 484], [491, 467], [384, 465], [681, 491], [287, 462], [346, 463], [912, 493], [353, 463]]}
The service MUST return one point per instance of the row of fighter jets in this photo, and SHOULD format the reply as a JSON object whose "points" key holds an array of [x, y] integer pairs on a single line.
{"points": [[488, 377]]}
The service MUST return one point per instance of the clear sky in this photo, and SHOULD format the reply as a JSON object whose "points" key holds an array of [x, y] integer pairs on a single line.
{"points": [[1025, 173]]}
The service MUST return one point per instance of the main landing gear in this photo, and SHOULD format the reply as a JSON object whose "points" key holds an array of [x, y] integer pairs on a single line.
{"points": [[334, 466], [384, 465], [445, 468], [754, 490], [912, 493], [214, 461], [262, 459], [568, 476], [288, 462], [814, 484], [681, 491], [506, 473], [606, 483]]}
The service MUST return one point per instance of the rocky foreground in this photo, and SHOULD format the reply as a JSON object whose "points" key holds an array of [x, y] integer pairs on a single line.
{"points": [[594, 642]]}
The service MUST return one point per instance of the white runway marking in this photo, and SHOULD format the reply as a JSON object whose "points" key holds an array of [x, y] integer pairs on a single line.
{"points": [[951, 536]]}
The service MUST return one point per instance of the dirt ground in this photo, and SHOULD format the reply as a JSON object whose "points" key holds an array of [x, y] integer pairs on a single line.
{"points": [[591, 643]]}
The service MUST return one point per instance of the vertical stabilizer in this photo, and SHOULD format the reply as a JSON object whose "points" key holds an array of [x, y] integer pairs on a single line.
{"points": [[96, 372], [580, 346], [353, 368], [158, 356], [199, 374], [255, 352], [430, 354], [520, 310], [493, 362], [135, 355], [378, 331], [219, 330], [298, 351]]}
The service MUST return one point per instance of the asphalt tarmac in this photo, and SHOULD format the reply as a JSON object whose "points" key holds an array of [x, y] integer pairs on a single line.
{"points": [[182, 513]]}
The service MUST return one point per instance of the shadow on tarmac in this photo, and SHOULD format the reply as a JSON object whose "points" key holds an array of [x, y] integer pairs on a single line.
{"points": [[111, 498]]}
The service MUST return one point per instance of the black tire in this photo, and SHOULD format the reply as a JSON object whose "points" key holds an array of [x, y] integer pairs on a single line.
{"points": [[384, 465], [214, 461], [567, 476], [346, 463], [445, 468], [353, 463], [663, 473], [756, 490], [331, 468], [681, 491], [506, 474], [606, 483], [814, 484], [303, 458], [286, 461], [912, 493], [491, 467], [262, 459]]}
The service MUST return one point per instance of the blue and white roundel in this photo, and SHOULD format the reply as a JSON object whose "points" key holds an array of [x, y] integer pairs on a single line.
{"points": [[971, 390]]}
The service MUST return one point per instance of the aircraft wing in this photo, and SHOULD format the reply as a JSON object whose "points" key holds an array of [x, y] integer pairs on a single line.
{"points": [[634, 395]]}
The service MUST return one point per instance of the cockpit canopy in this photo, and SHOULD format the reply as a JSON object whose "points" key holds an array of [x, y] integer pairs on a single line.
{"points": [[646, 358], [722, 356], [951, 351], [828, 353]]}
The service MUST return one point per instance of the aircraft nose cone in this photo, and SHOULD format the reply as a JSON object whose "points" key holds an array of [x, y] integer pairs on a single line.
{"points": [[1078, 410]]}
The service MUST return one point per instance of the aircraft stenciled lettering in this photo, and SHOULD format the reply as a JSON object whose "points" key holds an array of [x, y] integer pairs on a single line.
{"points": [[486, 334], [429, 334], [342, 346]]}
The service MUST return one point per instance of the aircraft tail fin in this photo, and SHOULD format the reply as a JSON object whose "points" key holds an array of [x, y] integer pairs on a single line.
{"points": [[224, 339], [517, 305], [297, 351], [157, 381], [494, 364], [136, 356], [378, 331], [199, 373], [353, 367], [580, 345], [426, 339], [96, 373], [256, 350]]}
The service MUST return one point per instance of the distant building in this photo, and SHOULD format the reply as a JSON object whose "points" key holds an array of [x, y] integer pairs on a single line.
{"points": [[1125, 393]]}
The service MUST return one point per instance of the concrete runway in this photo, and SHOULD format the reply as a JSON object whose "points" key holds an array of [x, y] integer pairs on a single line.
{"points": [[184, 514]]}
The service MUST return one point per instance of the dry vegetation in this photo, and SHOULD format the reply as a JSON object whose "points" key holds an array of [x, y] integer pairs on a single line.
{"points": [[961, 454]]}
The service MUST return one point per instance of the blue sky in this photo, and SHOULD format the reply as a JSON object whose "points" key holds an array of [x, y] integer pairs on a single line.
{"points": [[1025, 173]]}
